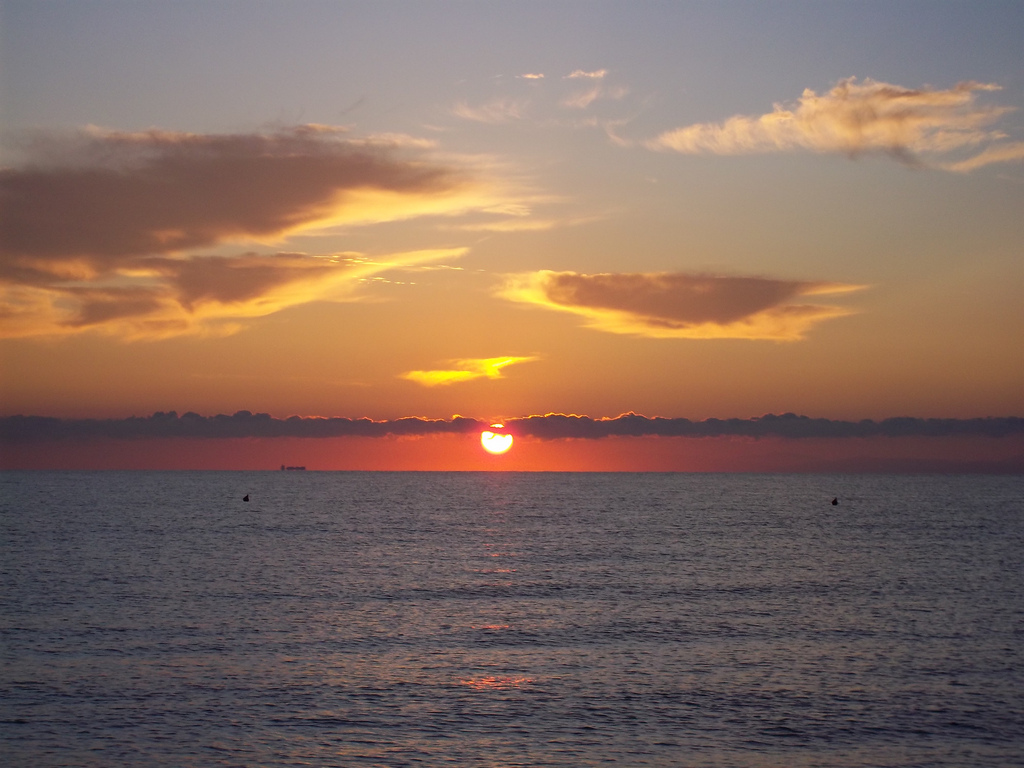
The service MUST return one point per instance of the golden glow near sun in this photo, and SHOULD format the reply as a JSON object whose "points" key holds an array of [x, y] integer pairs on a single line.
{"points": [[495, 442]]}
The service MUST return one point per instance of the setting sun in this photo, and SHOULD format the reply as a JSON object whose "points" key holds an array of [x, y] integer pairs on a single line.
{"points": [[495, 442]]}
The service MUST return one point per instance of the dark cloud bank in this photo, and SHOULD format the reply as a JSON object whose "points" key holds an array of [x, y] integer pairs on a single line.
{"points": [[243, 424]]}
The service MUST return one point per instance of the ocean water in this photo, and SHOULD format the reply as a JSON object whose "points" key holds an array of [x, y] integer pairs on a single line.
{"points": [[477, 619]]}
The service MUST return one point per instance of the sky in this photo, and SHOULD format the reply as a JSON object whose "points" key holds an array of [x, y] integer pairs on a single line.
{"points": [[512, 213]]}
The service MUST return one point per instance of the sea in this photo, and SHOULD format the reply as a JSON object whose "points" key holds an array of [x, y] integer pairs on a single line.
{"points": [[510, 619]]}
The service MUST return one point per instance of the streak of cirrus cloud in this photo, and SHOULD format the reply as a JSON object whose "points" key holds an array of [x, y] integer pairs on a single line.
{"points": [[679, 305], [531, 101], [162, 297], [493, 112], [99, 229], [864, 117], [465, 370], [583, 99], [1005, 152]]}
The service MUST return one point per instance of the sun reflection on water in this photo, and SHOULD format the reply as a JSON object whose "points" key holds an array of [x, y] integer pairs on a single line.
{"points": [[496, 683]]}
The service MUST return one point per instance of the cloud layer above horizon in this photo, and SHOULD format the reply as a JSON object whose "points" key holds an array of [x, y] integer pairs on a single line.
{"points": [[552, 426]]}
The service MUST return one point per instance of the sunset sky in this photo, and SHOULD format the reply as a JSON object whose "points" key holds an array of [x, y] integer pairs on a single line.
{"points": [[498, 210]]}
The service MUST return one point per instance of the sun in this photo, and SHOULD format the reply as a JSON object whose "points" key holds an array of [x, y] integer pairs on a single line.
{"points": [[495, 442]]}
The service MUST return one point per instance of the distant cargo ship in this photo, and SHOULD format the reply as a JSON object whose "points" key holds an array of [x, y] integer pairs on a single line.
{"points": [[291, 469]]}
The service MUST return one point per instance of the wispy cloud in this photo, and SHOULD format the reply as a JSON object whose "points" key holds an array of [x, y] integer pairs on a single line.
{"points": [[676, 305], [159, 297], [495, 111], [525, 223], [465, 370], [860, 117], [583, 99], [1005, 152], [512, 225], [577, 74], [540, 102]]}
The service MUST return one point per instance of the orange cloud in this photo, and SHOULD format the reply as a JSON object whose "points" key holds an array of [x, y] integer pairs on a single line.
{"points": [[667, 305], [99, 228], [855, 117], [161, 297], [111, 197], [465, 370]]}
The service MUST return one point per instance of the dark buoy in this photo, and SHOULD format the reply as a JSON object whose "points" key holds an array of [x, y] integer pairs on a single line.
{"points": [[246, 498], [835, 501]]}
